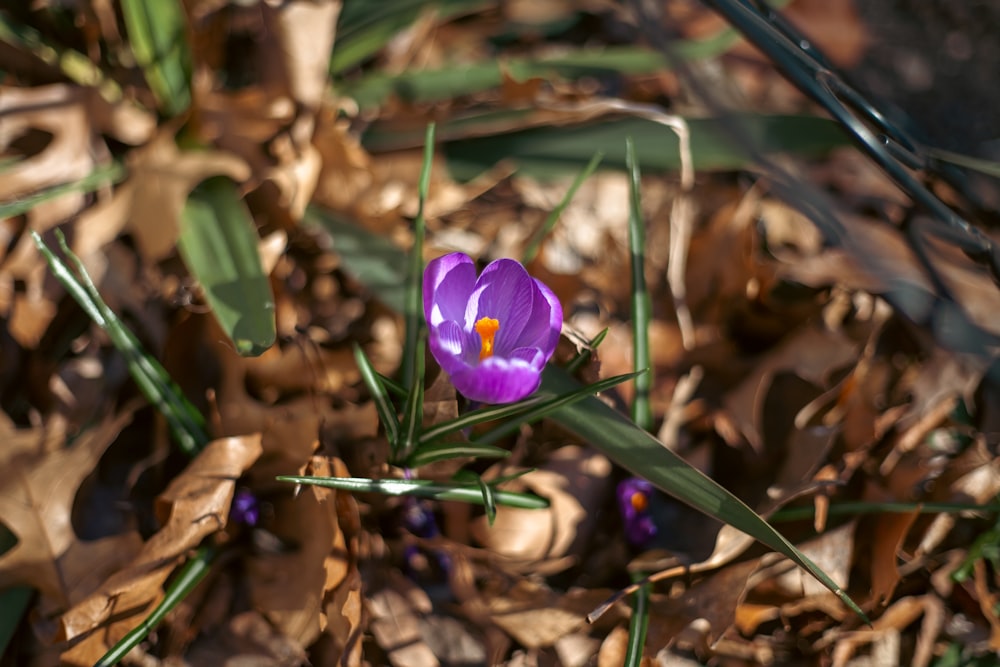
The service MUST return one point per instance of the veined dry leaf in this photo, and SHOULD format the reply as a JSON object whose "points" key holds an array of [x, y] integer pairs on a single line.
{"points": [[315, 586], [246, 639], [39, 479], [890, 531], [194, 506], [812, 353], [537, 616], [307, 29], [576, 481], [714, 599], [75, 117], [162, 177], [396, 609]]}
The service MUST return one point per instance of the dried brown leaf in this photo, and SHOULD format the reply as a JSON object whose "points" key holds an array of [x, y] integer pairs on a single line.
{"points": [[315, 586], [38, 484], [194, 506], [576, 482]]}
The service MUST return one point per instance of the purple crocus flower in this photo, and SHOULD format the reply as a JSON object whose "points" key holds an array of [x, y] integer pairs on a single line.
{"points": [[634, 497], [245, 508], [492, 334]]}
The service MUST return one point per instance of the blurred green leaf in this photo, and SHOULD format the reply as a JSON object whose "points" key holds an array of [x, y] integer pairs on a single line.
{"points": [[106, 175], [550, 151], [365, 26], [218, 241], [642, 307], [186, 424], [375, 261], [157, 31]]}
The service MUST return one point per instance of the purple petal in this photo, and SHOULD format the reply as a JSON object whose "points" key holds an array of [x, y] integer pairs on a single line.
{"points": [[245, 508], [640, 528], [542, 330], [531, 355], [497, 380], [503, 292], [448, 284], [453, 348]]}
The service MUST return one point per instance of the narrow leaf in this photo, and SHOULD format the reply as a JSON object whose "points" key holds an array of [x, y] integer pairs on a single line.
{"points": [[642, 411], [157, 31], [373, 381], [637, 451], [535, 244], [186, 423], [443, 451], [583, 356], [218, 242], [546, 408], [184, 582], [422, 489], [413, 310], [101, 176]]}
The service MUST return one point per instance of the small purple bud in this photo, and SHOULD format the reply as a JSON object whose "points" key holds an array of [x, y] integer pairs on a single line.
{"points": [[634, 497], [493, 334], [245, 508]]}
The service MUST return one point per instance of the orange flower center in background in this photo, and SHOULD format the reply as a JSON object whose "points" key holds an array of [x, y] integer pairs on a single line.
{"points": [[487, 328], [639, 501]]}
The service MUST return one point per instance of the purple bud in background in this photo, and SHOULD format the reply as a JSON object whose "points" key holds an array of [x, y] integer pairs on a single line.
{"points": [[245, 508], [634, 497], [493, 334]]}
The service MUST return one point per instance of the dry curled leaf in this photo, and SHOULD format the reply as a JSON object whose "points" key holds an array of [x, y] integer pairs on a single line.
{"points": [[194, 506]]}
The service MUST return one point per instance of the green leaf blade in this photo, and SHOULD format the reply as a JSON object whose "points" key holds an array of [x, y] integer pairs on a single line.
{"points": [[218, 242]]}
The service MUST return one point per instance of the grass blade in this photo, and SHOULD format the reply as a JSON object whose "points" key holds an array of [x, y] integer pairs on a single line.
{"points": [[443, 451], [157, 31], [470, 419], [106, 175], [386, 411], [584, 355], [489, 497], [413, 411], [218, 242], [189, 576], [546, 408], [413, 310], [535, 244], [421, 488], [186, 424], [637, 626], [642, 411]]}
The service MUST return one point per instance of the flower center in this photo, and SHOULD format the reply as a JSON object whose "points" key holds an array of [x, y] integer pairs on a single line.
{"points": [[487, 328], [639, 501]]}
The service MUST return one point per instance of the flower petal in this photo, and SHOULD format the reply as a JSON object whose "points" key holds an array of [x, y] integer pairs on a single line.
{"points": [[543, 328], [453, 348], [503, 292], [448, 284], [497, 380], [533, 356]]}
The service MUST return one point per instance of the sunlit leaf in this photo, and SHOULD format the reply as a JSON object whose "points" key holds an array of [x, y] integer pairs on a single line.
{"points": [[218, 242]]}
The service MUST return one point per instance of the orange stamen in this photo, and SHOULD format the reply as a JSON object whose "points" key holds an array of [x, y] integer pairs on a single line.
{"points": [[639, 501], [487, 328]]}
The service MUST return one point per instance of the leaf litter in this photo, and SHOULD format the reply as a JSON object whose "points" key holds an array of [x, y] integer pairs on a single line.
{"points": [[794, 384]]}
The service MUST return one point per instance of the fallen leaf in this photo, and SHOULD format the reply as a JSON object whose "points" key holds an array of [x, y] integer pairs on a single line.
{"points": [[41, 474], [194, 506]]}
